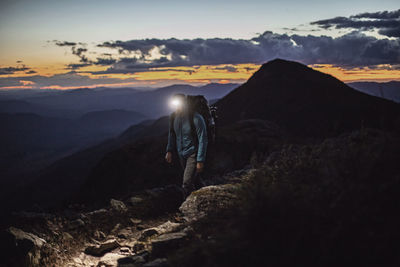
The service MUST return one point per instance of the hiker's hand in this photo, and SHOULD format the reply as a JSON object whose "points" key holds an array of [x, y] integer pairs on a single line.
{"points": [[168, 157], [200, 166]]}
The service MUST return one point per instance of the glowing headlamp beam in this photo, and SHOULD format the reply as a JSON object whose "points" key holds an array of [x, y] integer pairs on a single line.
{"points": [[175, 103]]}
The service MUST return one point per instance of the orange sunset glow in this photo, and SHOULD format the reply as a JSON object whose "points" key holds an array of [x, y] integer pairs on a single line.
{"points": [[238, 73]]}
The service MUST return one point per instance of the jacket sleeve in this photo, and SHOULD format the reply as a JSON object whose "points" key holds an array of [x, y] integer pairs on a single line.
{"points": [[171, 138], [201, 131]]}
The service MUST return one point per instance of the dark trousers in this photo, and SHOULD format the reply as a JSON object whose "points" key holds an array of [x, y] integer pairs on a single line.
{"points": [[191, 178]]}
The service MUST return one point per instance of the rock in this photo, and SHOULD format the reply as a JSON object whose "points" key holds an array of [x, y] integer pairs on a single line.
{"points": [[163, 244], [162, 262], [101, 249], [97, 212], [167, 227], [138, 247], [75, 224], [188, 230], [135, 221], [125, 250], [67, 236], [110, 259], [147, 234], [99, 235], [83, 216], [115, 228], [125, 233], [21, 248], [118, 206], [140, 227], [135, 200], [136, 260], [209, 199]]}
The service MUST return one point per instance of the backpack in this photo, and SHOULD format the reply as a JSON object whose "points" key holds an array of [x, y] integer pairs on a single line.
{"points": [[199, 104]]}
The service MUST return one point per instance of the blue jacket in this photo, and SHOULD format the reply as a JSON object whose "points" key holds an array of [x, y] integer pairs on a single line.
{"points": [[184, 142]]}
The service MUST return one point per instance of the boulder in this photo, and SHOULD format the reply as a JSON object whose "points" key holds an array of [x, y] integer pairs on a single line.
{"points": [[209, 199], [118, 205], [110, 259], [166, 227], [138, 247], [101, 249], [148, 233], [21, 248]]}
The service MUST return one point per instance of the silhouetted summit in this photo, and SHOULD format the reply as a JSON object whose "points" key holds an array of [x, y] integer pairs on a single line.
{"points": [[305, 102]]}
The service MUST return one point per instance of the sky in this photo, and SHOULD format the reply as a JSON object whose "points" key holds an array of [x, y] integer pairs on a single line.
{"points": [[62, 44]]}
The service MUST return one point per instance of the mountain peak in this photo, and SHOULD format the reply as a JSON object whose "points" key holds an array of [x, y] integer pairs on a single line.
{"points": [[283, 64], [304, 101]]}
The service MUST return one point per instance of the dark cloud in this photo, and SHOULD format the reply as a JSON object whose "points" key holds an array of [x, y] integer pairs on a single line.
{"points": [[64, 43], [74, 66], [227, 68], [104, 61], [379, 15], [387, 22], [354, 49], [12, 70], [79, 51], [350, 50]]}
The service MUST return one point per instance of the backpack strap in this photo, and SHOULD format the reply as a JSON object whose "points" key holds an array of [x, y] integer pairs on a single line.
{"points": [[193, 128], [171, 123]]}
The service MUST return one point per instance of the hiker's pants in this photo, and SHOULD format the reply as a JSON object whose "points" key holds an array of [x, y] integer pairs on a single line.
{"points": [[189, 173]]}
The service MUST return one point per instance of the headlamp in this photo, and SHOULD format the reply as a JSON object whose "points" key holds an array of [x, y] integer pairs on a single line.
{"points": [[175, 103]]}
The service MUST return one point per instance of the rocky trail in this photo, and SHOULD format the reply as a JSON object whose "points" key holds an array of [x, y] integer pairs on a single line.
{"points": [[141, 230]]}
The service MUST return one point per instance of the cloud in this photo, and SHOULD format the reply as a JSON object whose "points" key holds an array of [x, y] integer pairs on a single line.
{"points": [[77, 49], [104, 61], [351, 50], [64, 43], [80, 50], [387, 22], [12, 70], [354, 49], [227, 68], [74, 66]]}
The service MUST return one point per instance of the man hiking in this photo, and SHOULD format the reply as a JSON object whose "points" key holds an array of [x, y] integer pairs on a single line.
{"points": [[190, 144]]}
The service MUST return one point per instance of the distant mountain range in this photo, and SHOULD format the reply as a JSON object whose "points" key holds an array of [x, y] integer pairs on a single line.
{"points": [[73, 103], [283, 100], [389, 90], [30, 141]]}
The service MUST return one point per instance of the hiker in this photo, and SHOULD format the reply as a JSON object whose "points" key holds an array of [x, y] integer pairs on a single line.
{"points": [[190, 144]]}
